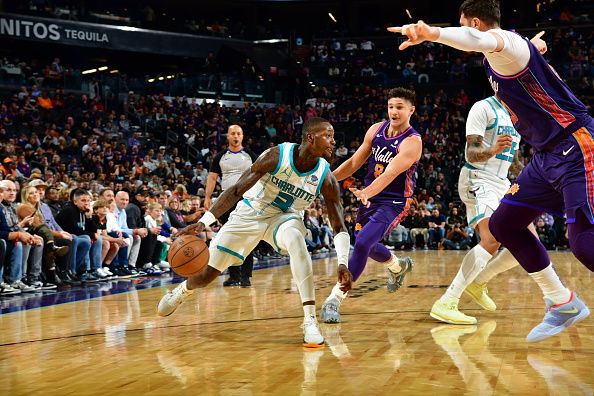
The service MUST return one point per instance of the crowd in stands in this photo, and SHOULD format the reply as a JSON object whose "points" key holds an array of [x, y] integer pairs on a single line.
{"points": [[147, 16], [93, 189], [172, 17]]}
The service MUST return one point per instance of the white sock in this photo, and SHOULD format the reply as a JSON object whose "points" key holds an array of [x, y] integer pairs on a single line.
{"points": [[336, 292], [309, 310], [472, 264], [551, 285], [394, 264], [499, 263], [184, 287]]}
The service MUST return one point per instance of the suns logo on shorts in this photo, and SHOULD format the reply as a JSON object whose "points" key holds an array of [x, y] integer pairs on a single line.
{"points": [[188, 252], [513, 189], [358, 227]]}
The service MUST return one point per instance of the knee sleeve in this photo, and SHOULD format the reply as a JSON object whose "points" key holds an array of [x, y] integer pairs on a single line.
{"points": [[290, 239]]}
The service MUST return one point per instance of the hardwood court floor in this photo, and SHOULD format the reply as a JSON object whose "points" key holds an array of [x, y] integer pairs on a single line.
{"points": [[248, 341]]}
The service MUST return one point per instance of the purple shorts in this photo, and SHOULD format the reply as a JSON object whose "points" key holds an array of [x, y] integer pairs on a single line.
{"points": [[561, 181], [389, 213]]}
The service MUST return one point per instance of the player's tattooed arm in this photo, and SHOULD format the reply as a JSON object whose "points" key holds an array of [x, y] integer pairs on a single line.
{"points": [[265, 163], [331, 193], [476, 152], [517, 165]]}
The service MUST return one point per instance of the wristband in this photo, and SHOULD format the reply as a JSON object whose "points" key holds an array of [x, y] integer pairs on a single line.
{"points": [[18, 236], [207, 218]]}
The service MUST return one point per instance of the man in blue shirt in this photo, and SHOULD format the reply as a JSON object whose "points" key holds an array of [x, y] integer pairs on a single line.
{"points": [[134, 234]]}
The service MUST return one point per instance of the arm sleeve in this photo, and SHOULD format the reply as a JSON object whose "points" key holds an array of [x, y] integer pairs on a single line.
{"points": [[479, 118], [216, 163], [467, 39], [510, 60]]}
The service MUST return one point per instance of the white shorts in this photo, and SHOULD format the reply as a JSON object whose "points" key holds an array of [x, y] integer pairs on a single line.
{"points": [[242, 233], [481, 192]]}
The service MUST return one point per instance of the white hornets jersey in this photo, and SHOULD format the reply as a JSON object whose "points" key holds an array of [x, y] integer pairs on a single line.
{"points": [[286, 189], [489, 119]]}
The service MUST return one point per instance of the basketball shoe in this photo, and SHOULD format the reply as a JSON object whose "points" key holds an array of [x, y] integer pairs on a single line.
{"points": [[173, 299], [479, 293], [559, 317], [396, 278], [447, 311], [330, 312], [312, 338]]}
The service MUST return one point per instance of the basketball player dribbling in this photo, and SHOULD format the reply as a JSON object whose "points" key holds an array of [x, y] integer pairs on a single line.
{"points": [[392, 149], [276, 189], [560, 176]]}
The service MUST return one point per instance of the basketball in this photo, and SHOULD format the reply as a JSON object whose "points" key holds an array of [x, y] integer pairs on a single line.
{"points": [[188, 255]]}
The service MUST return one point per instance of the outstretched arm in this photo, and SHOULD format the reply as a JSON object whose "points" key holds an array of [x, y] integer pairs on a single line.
{"points": [[507, 52], [357, 160], [331, 193], [265, 163], [463, 38], [409, 152]]}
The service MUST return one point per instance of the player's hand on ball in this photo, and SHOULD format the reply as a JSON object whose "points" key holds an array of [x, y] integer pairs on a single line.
{"points": [[416, 33], [360, 195], [190, 230], [503, 143], [345, 278]]}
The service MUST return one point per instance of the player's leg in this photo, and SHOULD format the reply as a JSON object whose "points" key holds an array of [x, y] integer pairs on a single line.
{"points": [[533, 194], [233, 271], [288, 236], [480, 196], [367, 235], [234, 240], [246, 271], [373, 223], [396, 267], [445, 308], [500, 263], [564, 308]]}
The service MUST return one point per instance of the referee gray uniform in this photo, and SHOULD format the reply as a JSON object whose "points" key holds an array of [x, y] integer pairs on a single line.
{"points": [[230, 166]]}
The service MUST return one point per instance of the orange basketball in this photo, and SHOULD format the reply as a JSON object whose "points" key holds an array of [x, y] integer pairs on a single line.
{"points": [[188, 255]]}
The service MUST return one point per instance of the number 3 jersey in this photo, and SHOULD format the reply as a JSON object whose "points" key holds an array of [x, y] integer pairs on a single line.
{"points": [[383, 150], [489, 119], [286, 189]]}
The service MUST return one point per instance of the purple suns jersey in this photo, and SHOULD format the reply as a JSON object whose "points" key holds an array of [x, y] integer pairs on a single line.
{"points": [[542, 107], [383, 150]]}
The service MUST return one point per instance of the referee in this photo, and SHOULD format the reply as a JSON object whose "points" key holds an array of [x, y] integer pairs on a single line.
{"points": [[230, 164]]}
